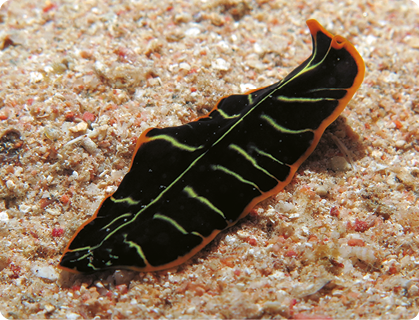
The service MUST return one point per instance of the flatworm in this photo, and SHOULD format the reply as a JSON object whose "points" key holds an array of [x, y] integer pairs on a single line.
{"points": [[188, 183]]}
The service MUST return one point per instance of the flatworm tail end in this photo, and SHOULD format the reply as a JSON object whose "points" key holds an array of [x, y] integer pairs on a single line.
{"points": [[319, 34], [338, 42]]}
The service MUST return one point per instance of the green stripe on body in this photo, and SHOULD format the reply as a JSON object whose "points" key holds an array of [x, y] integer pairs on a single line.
{"points": [[280, 128], [251, 160], [191, 193], [235, 175], [175, 143]]}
